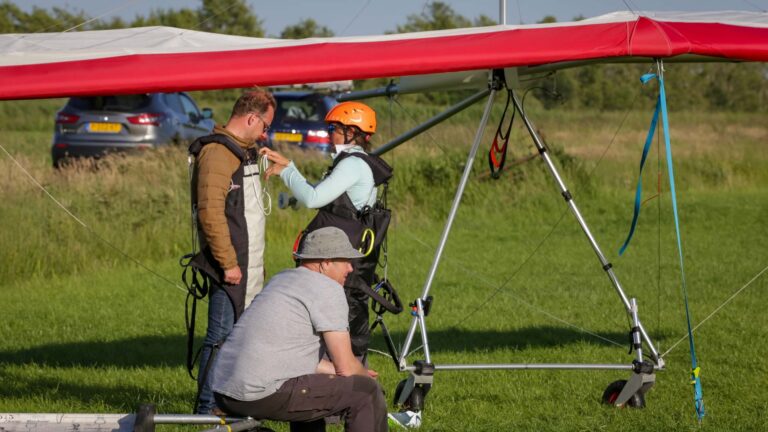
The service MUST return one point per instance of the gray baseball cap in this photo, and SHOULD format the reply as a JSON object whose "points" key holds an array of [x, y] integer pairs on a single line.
{"points": [[327, 243]]}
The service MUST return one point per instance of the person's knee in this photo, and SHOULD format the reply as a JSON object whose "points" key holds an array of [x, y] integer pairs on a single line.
{"points": [[370, 392]]}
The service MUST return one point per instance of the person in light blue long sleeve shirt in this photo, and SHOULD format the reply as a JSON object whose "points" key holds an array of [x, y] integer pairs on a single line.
{"points": [[351, 182], [351, 176]]}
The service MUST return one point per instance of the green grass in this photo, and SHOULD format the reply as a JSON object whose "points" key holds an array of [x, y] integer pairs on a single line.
{"points": [[88, 330]]}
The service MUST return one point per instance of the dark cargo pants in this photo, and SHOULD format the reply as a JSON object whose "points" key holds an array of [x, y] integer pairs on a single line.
{"points": [[306, 400]]}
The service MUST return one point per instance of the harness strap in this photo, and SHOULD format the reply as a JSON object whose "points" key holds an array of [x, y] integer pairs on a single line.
{"points": [[195, 291], [497, 156]]}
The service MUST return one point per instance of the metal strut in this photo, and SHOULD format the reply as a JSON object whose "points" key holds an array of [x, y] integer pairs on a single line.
{"points": [[418, 320], [607, 266]]}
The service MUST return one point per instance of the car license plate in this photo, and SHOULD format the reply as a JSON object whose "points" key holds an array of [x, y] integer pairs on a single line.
{"points": [[292, 137], [104, 127]]}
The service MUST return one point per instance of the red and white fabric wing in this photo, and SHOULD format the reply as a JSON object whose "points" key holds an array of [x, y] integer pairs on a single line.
{"points": [[149, 59]]}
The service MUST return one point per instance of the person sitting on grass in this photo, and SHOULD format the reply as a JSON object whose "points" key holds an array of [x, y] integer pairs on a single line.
{"points": [[289, 357]]}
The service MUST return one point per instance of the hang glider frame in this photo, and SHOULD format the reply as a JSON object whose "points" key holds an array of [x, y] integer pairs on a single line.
{"points": [[421, 372]]}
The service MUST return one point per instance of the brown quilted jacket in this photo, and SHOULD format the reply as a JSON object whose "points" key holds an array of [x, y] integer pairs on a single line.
{"points": [[215, 167]]}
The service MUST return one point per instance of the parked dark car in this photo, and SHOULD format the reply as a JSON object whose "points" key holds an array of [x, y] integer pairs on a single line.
{"points": [[97, 125], [299, 119]]}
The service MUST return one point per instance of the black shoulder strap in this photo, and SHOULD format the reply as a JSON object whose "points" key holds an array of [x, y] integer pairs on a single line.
{"points": [[382, 172], [197, 146]]}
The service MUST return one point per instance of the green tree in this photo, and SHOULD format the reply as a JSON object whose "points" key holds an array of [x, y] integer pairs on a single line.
{"points": [[548, 19], [305, 29], [484, 21], [437, 16], [229, 17], [182, 18], [15, 20], [114, 23], [10, 17]]}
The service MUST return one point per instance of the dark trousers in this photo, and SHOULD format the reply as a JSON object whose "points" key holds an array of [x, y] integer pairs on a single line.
{"points": [[306, 400], [359, 327], [221, 319]]}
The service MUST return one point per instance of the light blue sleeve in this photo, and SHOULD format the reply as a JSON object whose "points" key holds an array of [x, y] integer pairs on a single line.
{"points": [[342, 178]]}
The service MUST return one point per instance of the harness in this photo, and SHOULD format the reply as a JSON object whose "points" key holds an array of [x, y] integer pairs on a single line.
{"points": [[200, 268], [366, 229]]}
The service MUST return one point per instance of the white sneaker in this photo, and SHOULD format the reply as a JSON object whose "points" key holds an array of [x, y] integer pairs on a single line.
{"points": [[405, 419]]}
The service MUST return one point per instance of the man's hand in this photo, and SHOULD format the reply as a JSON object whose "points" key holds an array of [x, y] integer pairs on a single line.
{"points": [[372, 373], [233, 276], [325, 367]]}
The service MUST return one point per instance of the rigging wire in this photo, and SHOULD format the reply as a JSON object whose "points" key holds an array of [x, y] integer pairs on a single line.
{"points": [[84, 225], [756, 6], [218, 13], [354, 18], [717, 309], [632, 9], [109, 12], [415, 120]]}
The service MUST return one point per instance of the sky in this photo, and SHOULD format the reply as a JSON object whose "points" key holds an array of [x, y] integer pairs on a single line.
{"points": [[368, 17]]}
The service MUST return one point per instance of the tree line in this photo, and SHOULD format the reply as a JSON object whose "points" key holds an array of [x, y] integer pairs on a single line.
{"points": [[691, 86]]}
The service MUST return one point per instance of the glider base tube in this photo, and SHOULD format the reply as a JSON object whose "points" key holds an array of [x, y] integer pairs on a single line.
{"points": [[64, 422], [449, 221], [194, 419], [607, 267], [576, 366]]}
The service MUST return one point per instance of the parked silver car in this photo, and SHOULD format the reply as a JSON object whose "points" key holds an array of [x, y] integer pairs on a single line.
{"points": [[96, 125]]}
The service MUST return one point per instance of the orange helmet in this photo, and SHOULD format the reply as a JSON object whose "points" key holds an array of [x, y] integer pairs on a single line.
{"points": [[353, 114]]}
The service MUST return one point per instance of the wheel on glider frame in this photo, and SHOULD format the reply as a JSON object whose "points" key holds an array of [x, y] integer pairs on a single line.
{"points": [[415, 401], [613, 390]]}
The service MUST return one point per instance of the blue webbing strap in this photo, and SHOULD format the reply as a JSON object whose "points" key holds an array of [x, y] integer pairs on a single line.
{"points": [[648, 140], [695, 379]]}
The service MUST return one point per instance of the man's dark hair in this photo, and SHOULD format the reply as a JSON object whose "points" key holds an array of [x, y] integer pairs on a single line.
{"points": [[255, 100]]}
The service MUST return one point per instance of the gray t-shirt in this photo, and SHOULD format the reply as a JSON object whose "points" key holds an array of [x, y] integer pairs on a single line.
{"points": [[278, 337]]}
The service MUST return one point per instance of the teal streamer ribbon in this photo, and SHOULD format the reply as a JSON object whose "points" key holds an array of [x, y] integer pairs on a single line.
{"points": [[648, 140], [695, 369], [661, 106]]}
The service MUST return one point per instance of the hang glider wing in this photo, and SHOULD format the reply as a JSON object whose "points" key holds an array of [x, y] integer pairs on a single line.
{"points": [[148, 59]]}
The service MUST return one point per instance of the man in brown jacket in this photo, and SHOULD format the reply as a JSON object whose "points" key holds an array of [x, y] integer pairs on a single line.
{"points": [[230, 214]]}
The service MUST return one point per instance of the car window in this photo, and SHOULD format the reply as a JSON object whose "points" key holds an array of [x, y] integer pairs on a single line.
{"points": [[111, 103], [173, 102], [299, 109], [189, 106]]}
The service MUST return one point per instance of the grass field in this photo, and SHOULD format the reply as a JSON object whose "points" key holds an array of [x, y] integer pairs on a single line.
{"points": [[87, 329]]}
